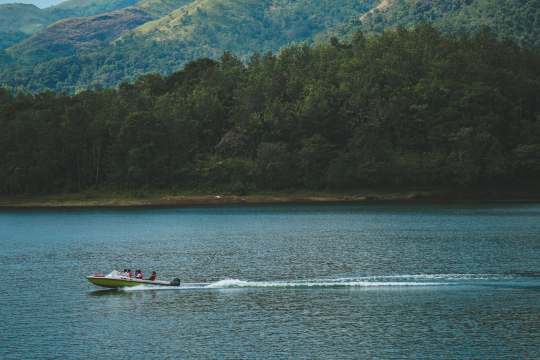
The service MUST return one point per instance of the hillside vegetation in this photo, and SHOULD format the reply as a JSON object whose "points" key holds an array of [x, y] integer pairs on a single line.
{"points": [[163, 35], [30, 19], [408, 108], [25, 18], [518, 20], [66, 37], [17, 21]]}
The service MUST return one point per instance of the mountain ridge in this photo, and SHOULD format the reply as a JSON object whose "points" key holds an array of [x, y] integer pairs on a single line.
{"points": [[162, 35], [67, 36], [29, 18]]}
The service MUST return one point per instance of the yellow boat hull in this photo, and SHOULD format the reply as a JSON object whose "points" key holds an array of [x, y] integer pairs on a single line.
{"points": [[116, 283]]}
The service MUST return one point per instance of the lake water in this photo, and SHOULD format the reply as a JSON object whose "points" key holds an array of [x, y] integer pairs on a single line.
{"points": [[295, 281]]}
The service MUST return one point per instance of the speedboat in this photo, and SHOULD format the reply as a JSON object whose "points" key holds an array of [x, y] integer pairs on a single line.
{"points": [[116, 280]]}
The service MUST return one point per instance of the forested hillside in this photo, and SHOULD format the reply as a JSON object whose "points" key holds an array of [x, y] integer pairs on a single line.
{"points": [[408, 108], [508, 19], [163, 35]]}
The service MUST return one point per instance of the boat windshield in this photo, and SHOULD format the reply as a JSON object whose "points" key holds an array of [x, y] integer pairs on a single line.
{"points": [[115, 274]]}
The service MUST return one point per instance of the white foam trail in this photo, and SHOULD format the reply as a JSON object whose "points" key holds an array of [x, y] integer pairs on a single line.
{"points": [[444, 277], [407, 280], [234, 283]]}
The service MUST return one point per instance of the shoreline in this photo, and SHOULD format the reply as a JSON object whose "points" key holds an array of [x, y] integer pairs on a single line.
{"points": [[82, 201]]}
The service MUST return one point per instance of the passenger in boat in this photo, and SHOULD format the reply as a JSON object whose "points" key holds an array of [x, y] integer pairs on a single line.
{"points": [[153, 277], [125, 273], [139, 274], [129, 273]]}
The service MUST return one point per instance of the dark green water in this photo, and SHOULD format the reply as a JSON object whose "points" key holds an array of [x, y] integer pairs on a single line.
{"points": [[313, 282]]}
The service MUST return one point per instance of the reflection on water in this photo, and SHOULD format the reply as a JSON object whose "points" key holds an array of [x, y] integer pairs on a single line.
{"points": [[111, 292], [317, 282]]}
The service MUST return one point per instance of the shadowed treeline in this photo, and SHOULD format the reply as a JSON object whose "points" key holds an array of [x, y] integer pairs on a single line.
{"points": [[407, 108]]}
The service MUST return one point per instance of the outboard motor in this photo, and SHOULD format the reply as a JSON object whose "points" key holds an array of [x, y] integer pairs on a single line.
{"points": [[175, 282]]}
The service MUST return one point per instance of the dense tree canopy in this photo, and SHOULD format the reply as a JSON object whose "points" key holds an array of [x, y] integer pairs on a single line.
{"points": [[407, 108]]}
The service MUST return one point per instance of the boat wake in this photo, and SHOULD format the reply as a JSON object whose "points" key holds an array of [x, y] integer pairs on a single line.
{"points": [[388, 281]]}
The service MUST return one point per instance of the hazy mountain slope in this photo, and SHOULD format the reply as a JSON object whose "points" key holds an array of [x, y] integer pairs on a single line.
{"points": [[17, 21], [68, 36], [22, 18], [65, 37], [10, 38]]}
